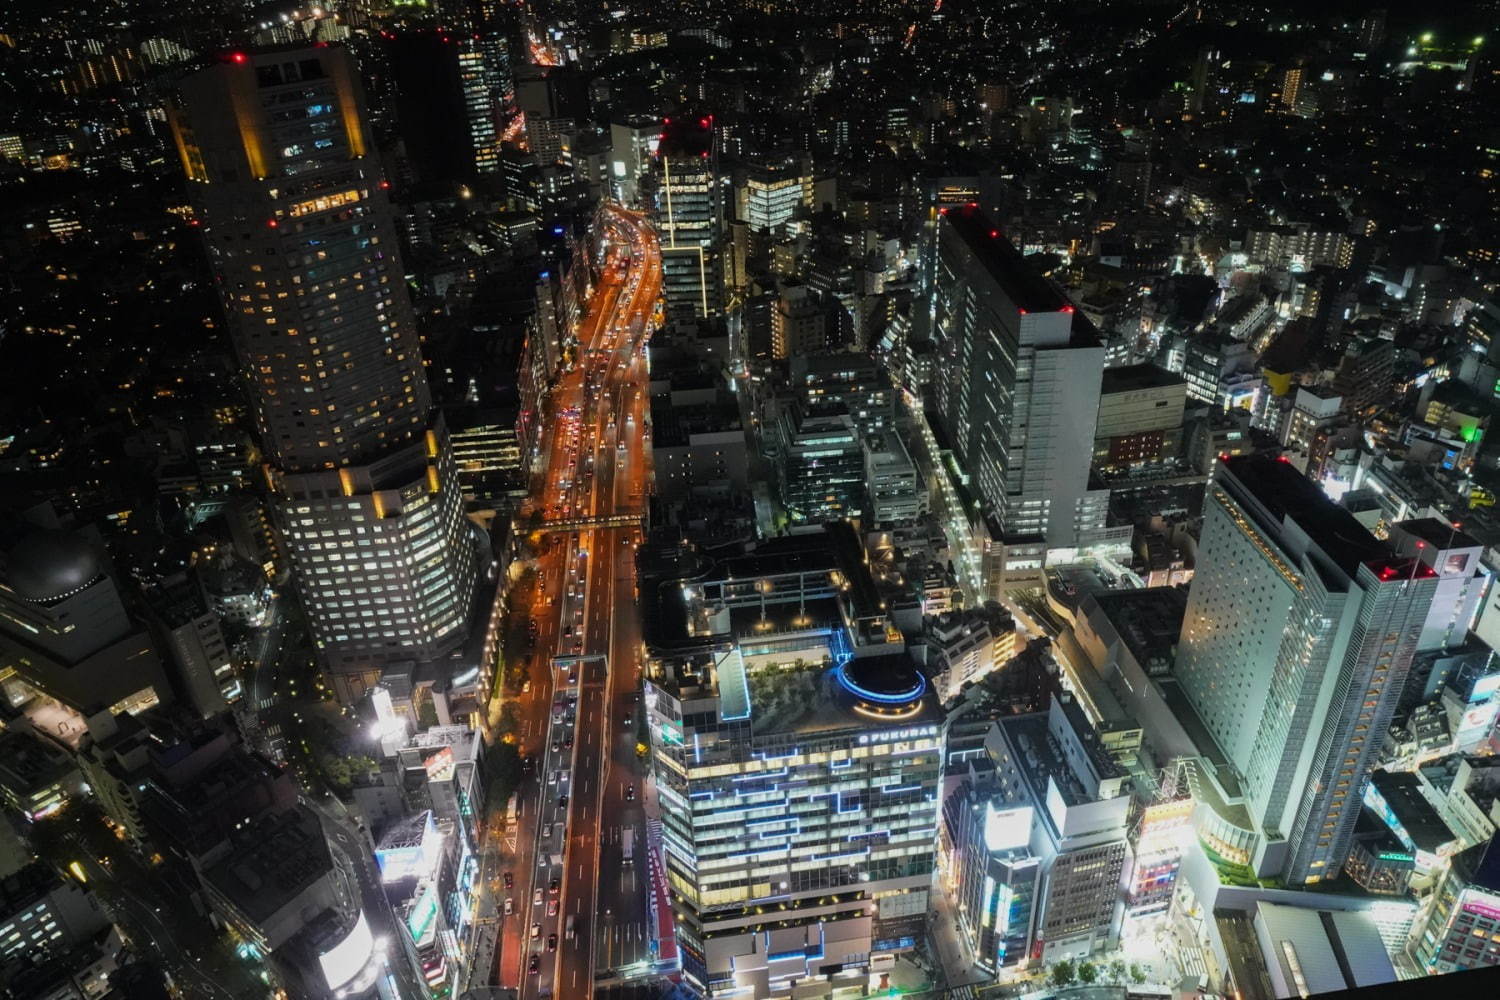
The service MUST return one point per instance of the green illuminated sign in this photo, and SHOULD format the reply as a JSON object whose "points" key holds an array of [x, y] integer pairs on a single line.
{"points": [[1395, 856]]}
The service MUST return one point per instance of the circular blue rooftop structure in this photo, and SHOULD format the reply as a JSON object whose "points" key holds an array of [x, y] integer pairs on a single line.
{"points": [[883, 683]]}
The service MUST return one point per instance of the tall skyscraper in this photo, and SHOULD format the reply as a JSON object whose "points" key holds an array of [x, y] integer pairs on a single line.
{"points": [[796, 751], [1299, 632], [303, 246], [1018, 391], [690, 217]]}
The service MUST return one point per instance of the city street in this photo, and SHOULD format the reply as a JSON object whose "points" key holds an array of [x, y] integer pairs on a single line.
{"points": [[576, 723], [353, 845]]}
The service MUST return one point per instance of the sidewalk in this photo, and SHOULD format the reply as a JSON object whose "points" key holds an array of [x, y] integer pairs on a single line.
{"points": [[949, 946]]}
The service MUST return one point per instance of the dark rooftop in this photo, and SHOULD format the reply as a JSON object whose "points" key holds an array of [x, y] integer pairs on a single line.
{"points": [[672, 426], [1480, 864], [1371, 831], [1130, 378], [1288, 494], [1403, 793], [1439, 534], [1149, 620], [1027, 289], [686, 135], [855, 567]]}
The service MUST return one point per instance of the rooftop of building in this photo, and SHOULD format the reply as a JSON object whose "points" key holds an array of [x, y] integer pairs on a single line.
{"points": [[46, 565], [878, 691], [274, 861], [1005, 264], [1443, 772], [1403, 793], [673, 426], [176, 600], [1337, 949], [1287, 494], [686, 135], [1461, 396], [411, 831], [1134, 378], [1377, 838], [1441, 535], [1148, 620], [25, 886], [30, 762], [1480, 865], [1041, 758]]}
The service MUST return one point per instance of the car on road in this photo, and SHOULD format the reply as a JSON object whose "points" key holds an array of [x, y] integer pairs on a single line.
{"points": [[629, 793], [510, 906], [536, 897], [536, 931], [568, 742], [546, 831], [510, 880], [534, 966], [554, 885], [551, 942], [562, 802], [551, 907]]}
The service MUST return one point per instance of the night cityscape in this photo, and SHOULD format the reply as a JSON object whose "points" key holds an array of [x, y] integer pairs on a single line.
{"points": [[763, 500]]}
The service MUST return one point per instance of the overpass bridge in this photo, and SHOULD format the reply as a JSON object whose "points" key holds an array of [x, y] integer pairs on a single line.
{"points": [[589, 523]]}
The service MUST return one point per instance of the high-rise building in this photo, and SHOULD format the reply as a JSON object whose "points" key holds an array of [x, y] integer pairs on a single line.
{"points": [[796, 751], [65, 633], [447, 102], [770, 194], [1140, 417], [798, 324], [1458, 928], [1019, 386], [689, 210], [1299, 632], [820, 462], [303, 246], [1037, 853]]}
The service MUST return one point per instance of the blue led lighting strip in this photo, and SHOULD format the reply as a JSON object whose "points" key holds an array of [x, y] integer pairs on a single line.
{"points": [[903, 698]]}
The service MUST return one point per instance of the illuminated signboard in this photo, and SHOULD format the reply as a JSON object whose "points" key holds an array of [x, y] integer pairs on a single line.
{"points": [[416, 856], [1007, 829], [439, 765], [1395, 856], [1484, 687], [1490, 907], [1165, 825], [421, 922], [347, 959]]}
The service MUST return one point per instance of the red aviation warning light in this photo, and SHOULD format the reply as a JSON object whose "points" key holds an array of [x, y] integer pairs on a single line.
{"points": [[239, 57]]}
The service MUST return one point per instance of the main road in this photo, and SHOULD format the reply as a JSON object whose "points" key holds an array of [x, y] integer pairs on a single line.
{"points": [[577, 718]]}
